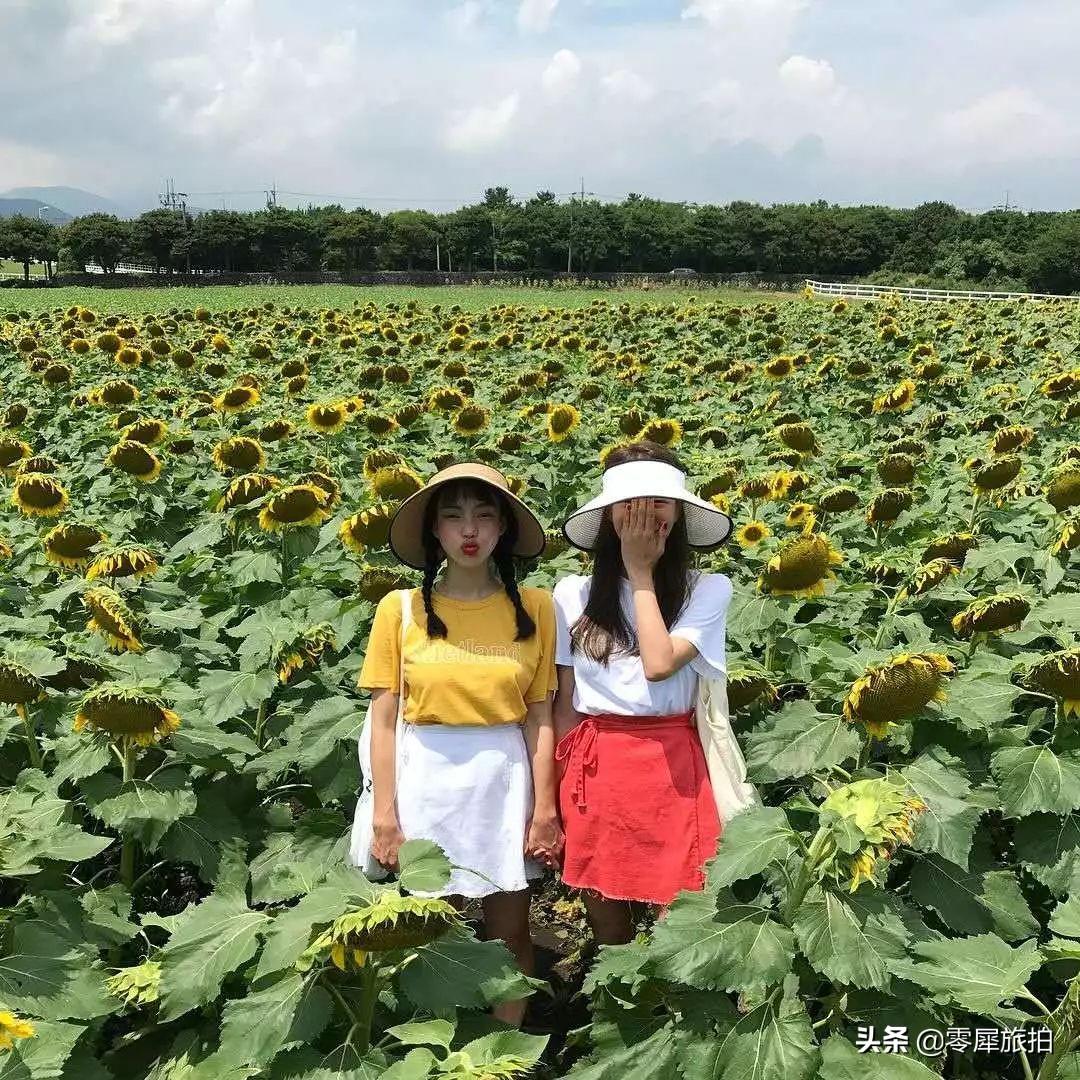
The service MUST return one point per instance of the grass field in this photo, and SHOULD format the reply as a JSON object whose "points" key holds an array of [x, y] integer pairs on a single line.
{"points": [[470, 297], [9, 269]]}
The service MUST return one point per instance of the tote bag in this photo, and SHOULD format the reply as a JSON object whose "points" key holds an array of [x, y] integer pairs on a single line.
{"points": [[362, 827], [723, 756]]}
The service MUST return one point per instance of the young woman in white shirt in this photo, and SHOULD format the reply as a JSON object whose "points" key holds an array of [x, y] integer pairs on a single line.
{"points": [[632, 639]]}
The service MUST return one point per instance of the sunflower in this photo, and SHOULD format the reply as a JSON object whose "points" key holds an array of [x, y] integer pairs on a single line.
{"points": [[890, 692], [390, 922], [12, 453], [662, 432], [562, 419], [147, 432], [18, 684], [276, 430], [1059, 674], [877, 814], [745, 686], [237, 399], [112, 618], [470, 420], [367, 528], [324, 481], [997, 474], [1063, 489], [899, 399], [798, 436], [886, 506], [801, 567], [446, 398], [377, 581], [1008, 439], [239, 454], [952, 546], [927, 576], [779, 367], [13, 1027], [1005, 611], [327, 418], [138, 985], [6, 550], [304, 652], [39, 495], [757, 487], [801, 516], [136, 562], [299, 504], [246, 489], [136, 460], [380, 459], [395, 482], [897, 470], [752, 533], [839, 498], [1069, 538], [126, 712]]}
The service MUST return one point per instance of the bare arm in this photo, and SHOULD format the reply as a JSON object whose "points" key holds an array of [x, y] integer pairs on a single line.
{"points": [[661, 654], [566, 718], [387, 837], [543, 839]]}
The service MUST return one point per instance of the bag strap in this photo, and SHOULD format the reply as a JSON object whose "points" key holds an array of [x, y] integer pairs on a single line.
{"points": [[406, 616]]}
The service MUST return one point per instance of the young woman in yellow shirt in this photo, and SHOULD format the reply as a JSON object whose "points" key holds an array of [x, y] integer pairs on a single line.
{"points": [[475, 772]]}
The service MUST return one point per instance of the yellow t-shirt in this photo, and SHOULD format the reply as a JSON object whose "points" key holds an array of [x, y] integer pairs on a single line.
{"points": [[478, 673]]}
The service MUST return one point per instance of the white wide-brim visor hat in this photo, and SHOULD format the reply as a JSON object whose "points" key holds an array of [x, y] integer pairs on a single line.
{"points": [[706, 524]]}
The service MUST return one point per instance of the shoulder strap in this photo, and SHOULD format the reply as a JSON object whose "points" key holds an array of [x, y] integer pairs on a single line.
{"points": [[406, 618]]}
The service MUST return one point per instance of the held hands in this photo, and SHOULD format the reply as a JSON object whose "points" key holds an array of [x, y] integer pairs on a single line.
{"points": [[643, 537], [386, 841], [544, 840]]}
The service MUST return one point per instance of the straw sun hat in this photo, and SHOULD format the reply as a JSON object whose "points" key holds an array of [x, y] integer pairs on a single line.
{"points": [[406, 540], [706, 524]]}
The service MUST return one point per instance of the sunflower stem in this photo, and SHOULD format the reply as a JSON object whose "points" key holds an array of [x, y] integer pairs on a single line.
{"points": [[805, 877], [260, 720], [369, 991], [31, 736], [886, 620], [127, 848], [346, 1007], [974, 511]]}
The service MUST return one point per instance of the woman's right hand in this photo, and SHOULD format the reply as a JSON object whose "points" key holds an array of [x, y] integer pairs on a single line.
{"points": [[386, 841]]}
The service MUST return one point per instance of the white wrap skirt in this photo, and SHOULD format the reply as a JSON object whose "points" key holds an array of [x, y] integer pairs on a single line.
{"points": [[469, 789]]}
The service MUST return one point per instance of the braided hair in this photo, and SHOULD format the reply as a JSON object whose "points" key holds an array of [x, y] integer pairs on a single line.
{"points": [[502, 556]]}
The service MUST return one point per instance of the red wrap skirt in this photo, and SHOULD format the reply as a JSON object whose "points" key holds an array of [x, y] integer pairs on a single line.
{"points": [[636, 805]]}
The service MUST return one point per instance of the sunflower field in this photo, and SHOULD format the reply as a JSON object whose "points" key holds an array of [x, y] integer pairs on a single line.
{"points": [[193, 532]]}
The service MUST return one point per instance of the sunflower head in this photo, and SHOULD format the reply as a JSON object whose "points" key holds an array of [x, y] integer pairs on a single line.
{"points": [[562, 420], [1005, 611], [138, 985], [798, 436], [72, 543], [326, 417], [880, 814], [801, 567], [446, 399], [134, 562], [470, 420], [996, 474], [838, 499], [662, 432], [136, 460], [14, 1027], [304, 652], [293, 506], [39, 495], [779, 367], [246, 489], [395, 482], [237, 399], [1059, 674], [752, 533], [745, 686], [886, 506], [112, 618], [118, 392], [148, 432], [899, 399], [1068, 539], [125, 712], [801, 516], [927, 576], [952, 546], [757, 487], [890, 692], [239, 454], [276, 430], [1007, 439], [389, 923], [18, 684], [1063, 489]]}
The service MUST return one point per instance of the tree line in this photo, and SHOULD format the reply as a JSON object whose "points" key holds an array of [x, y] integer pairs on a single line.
{"points": [[928, 244]]}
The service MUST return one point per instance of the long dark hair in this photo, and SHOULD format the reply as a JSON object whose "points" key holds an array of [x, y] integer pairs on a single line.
{"points": [[502, 556], [602, 627]]}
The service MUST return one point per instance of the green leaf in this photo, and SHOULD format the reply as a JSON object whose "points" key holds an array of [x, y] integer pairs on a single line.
{"points": [[850, 944], [1034, 778], [841, 1061], [211, 939], [975, 901], [1066, 917], [256, 1027], [48, 976], [143, 809], [752, 840], [225, 694], [293, 863], [980, 699], [1062, 608], [424, 866], [799, 743], [1048, 847], [717, 943], [653, 1058], [108, 915], [459, 971], [973, 973], [424, 1033], [249, 566], [33, 830], [949, 822], [44, 1056], [198, 837], [415, 1065], [205, 535], [490, 1049]]}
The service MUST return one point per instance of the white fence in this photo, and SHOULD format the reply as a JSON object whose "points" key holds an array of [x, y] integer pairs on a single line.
{"points": [[868, 292]]}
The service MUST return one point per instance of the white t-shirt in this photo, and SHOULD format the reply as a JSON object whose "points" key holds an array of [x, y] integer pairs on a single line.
{"points": [[621, 687]]}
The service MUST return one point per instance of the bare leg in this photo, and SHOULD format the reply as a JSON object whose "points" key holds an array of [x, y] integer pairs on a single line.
{"points": [[506, 917], [612, 921]]}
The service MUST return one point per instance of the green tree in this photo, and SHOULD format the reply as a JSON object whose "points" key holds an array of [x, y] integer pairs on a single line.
{"points": [[1054, 259], [351, 240], [410, 237], [98, 238], [26, 240], [161, 237]]}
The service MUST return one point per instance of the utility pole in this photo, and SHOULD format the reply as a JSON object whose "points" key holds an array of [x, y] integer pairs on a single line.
{"points": [[494, 248], [570, 240], [438, 265], [271, 197]]}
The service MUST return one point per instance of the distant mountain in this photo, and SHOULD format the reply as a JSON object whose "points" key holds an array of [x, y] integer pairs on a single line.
{"points": [[31, 208], [72, 201]]}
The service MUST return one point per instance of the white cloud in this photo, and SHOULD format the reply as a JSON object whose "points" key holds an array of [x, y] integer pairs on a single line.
{"points": [[464, 17], [561, 74], [723, 95], [627, 85], [534, 15], [481, 126], [806, 76], [1008, 125], [741, 14]]}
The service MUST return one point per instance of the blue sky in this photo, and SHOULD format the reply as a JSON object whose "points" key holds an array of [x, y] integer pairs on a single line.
{"points": [[420, 102]]}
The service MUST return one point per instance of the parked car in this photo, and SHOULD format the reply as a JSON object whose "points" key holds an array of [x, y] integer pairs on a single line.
{"points": [[683, 271]]}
